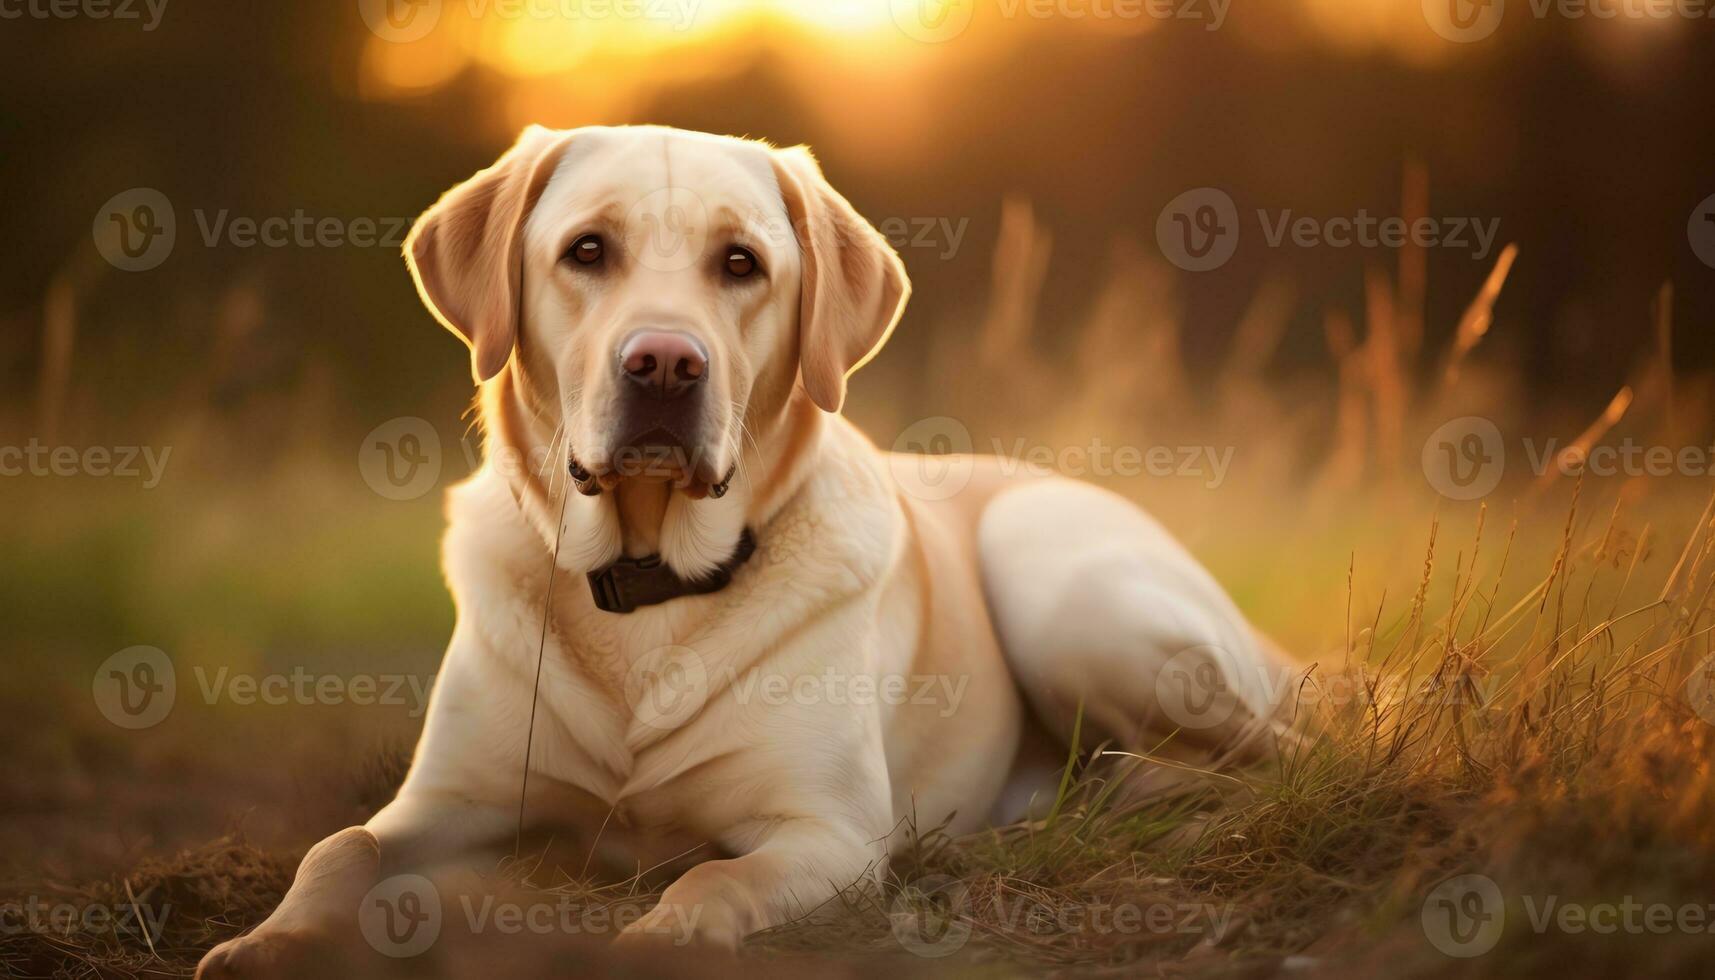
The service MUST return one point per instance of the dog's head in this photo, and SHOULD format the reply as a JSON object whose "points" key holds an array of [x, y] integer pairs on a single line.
{"points": [[657, 299]]}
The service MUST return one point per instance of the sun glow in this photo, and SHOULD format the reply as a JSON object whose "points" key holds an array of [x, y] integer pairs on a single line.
{"points": [[576, 62], [634, 41]]}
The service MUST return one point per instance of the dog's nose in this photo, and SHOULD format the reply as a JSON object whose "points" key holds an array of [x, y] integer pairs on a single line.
{"points": [[667, 362]]}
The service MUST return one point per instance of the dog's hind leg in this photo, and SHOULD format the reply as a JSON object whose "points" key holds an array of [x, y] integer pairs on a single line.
{"points": [[1099, 607]]}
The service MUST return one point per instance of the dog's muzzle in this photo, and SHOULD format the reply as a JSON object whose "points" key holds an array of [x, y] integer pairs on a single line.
{"points": [[590, 486]]}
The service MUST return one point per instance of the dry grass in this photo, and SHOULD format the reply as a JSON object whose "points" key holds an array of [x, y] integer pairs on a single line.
{"points": [[209, 894]]}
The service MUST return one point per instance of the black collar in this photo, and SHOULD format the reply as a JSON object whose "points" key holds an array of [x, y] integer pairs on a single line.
{"points": [[631, 583]]}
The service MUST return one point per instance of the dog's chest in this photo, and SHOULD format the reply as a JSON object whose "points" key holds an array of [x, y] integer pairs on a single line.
{"points": [[627, 716]]}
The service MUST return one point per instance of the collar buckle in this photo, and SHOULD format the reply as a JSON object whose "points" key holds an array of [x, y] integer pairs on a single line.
{"points": [[629, 584]]}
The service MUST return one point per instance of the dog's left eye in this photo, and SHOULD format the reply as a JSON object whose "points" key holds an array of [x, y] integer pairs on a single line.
{"points": [[586, 250], [740, 263]]}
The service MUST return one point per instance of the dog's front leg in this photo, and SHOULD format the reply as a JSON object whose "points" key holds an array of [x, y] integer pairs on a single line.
{"points": [[321, 915], [802, 864]]}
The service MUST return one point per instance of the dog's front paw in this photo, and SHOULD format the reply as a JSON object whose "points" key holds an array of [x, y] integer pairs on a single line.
{"points": [[704, 926], [281, 954]]}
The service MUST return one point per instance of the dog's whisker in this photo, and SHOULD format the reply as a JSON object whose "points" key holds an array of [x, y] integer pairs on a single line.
{"points": [[745, 435], [548, 458]]}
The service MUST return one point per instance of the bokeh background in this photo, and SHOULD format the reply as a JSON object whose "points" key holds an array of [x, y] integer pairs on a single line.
{"points": [[1022, 156]]}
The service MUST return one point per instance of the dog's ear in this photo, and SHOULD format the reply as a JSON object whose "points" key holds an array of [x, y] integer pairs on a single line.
{"points": [[466, 251], [854, 286]]}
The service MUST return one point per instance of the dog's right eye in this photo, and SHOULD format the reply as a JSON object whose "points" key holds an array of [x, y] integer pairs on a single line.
{"points": [[586, 250]]}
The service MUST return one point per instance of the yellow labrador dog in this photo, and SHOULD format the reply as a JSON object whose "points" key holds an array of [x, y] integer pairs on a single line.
{"points": [[753, 632]]}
